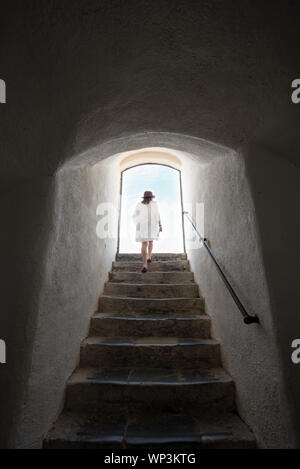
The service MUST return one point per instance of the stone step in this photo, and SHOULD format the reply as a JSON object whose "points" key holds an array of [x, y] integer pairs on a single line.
{"points": [[162, 352], [125, 257], [155, 266], [127, 325], [119, 304], [140, 390], [152, 290], [161, 431], [151, 277]]}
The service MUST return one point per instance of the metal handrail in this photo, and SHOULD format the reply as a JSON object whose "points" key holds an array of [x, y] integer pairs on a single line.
{"points": [[248, 319]]}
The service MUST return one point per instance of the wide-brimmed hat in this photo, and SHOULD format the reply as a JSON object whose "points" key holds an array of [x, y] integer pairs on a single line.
{"points": [[148, 195]]}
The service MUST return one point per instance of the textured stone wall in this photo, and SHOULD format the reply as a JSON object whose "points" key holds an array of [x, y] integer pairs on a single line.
{"points": [[236, 213], [68, 282]]}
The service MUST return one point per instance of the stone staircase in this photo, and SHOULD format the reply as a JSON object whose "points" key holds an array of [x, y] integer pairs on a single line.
{"points": [[150, 376]]}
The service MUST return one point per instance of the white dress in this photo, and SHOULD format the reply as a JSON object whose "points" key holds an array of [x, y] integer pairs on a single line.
{"points": [[146, 218]]}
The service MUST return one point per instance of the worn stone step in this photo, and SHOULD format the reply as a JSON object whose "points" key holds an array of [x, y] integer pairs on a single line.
{"points": [[155, 266], [161, 431], [119, 304], [151, 277], [153, 290], [225, 431], [163, 352], [143, 389], [129, 325], [125, 257]]}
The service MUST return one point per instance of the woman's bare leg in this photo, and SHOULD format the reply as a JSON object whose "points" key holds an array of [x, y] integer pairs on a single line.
{"points": [[144, 253], [150, 247]]}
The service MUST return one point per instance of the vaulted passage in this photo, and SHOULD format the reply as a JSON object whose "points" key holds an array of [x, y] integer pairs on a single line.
{"points": [[149, 374], [77, 246], [91, 92]]}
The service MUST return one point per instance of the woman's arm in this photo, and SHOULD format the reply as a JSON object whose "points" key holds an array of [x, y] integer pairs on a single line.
{"points": [[159, 220]]}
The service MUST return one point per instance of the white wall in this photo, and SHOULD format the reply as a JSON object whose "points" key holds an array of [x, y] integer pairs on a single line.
{"points": [[250, 352], [76, 265]]}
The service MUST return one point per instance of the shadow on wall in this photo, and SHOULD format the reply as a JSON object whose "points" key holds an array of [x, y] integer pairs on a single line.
{"points": [[252, 354], [28, 213], [275, 187]]}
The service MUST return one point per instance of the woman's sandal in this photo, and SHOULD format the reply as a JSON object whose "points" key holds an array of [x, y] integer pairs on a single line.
{"points": [[144, 270], [149, 260]]}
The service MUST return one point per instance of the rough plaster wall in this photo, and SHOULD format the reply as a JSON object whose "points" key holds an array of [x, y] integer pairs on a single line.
{"points": [[75, 267], [250, 353], [27, 211], [275, 185]]}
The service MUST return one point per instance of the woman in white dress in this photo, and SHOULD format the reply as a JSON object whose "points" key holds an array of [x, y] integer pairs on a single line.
{"points": [[148, 226]]}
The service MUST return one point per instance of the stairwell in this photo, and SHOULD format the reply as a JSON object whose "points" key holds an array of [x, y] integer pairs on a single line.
{"points": [[150, 375]]}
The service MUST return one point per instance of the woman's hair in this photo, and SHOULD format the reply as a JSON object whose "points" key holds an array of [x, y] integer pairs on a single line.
{"points": [[147, 200]]}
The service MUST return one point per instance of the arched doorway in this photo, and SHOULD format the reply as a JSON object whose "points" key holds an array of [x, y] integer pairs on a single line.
{"points": [[165, 182]]}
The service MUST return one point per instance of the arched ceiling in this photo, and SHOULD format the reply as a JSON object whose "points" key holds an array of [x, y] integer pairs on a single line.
{"points": [[180, 146], [82, 74]]}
